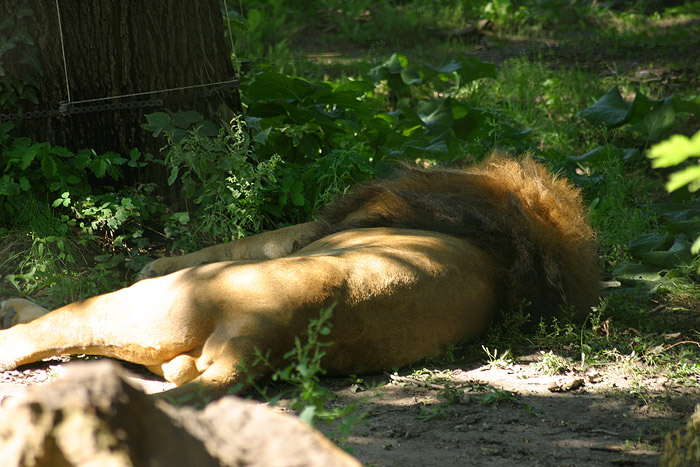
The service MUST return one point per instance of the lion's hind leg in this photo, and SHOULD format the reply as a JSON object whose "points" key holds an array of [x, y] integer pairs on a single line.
{"points": [[229, 370], [19, 311]]}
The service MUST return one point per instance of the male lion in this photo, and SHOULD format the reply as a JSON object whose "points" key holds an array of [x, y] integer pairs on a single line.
{"points": [[413, 265]]}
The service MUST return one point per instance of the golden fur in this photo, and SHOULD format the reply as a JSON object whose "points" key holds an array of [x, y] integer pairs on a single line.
{"points": [[412, 265]]}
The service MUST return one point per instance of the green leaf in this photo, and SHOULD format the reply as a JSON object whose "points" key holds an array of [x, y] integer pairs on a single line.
{"points": [[611, 110], [636, 272], [298, 194], [678, 255], [61, 152], [158, 122], [261, 136], [472, 69], [687, 106], [358, 87], [598, 154], [24, 184], [254, 20], [173, 175], [658, 121], [99, 167], [8, 187], [181, 217], [307, 415], [674, 150], [640, 107], [308, 146], [184, 120], [8, 126], [436, 115], [27, 159], [411, 76], [648, 242], [208, 128], [695, 249], [49, 166], [687, 176], [275, 86], [82, 160]]}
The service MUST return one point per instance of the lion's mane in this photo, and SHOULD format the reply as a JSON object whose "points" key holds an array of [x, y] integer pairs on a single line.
{"points": [[532, 223]]}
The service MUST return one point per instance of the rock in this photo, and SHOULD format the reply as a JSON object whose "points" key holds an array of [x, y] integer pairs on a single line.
{"points": [[93, 417], [565, 384]]}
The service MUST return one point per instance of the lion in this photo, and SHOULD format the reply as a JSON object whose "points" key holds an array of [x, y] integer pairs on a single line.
{"points": [[411, 265]]}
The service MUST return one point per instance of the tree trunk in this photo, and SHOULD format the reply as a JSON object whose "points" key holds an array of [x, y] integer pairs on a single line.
{"points": [[123, 59]]}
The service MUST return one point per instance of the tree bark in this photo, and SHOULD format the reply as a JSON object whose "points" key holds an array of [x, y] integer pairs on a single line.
{"points": [[127, 48]]}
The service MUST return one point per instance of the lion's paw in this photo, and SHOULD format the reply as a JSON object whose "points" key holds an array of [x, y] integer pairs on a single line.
{"points": [[18, 311]]}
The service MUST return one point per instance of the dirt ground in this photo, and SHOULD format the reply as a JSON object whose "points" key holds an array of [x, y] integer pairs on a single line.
{"points": [[485, 416]]}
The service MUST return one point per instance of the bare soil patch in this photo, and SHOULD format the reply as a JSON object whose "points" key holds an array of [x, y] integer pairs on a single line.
{"points": [[485, 416]]}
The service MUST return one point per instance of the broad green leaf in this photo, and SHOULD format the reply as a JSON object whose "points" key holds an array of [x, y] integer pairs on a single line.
{"points": [[390, 71], [687, 106], [636, 272], [49, 166], [595, 155], [695, 249], [648, 242], [448, 67], [308, 146], [640, 107], [395, 64], [265, 110], [357, 87], [658, 121], [472, 69], [678, 255], [27, 159], [8, 187], [298, 194], [181, 217], [61, 152], [275, 86], [411, 76], [99, 167], [345, 100], [6, 127], [173, 175], [254, 19], [82, 160], [158, 122], [307, 415], [687, 176], [674, 150], [185, 119], [208, 128], [261, 136], [611, 110], [436, 115]]}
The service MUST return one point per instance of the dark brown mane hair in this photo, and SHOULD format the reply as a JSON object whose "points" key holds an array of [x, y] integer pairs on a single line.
{"points": [[532, 223]]}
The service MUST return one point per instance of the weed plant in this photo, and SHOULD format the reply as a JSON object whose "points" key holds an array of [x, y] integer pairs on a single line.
{"points": [[301, 378]]}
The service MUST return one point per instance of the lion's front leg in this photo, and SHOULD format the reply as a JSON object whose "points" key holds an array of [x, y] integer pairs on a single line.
{"points": [[19, 311], [268, 245]]}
